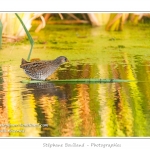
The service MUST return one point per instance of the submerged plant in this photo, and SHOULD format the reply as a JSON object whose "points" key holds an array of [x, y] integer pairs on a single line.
{"points": [[81, 81]]}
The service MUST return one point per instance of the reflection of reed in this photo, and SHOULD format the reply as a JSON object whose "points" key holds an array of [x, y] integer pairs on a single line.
{"points": [[67, 125], [86, 121], [85, 112], [144, 74]]}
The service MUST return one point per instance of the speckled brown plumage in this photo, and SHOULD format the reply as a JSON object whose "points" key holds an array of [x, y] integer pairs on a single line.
{"points": [[41, 69]]}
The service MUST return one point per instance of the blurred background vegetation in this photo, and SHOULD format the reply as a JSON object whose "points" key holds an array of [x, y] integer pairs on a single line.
{"points": [[12, 30]]}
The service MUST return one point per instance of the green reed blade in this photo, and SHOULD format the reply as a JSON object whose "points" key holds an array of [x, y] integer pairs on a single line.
{"points": [[1, 29], [28, 34], [79, 81]]}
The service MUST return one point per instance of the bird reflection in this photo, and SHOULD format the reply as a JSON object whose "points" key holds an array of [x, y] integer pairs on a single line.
{"points": [[45, 89]]}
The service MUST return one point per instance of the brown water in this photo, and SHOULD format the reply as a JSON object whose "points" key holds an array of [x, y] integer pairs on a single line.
{"points": [[100, 109]]}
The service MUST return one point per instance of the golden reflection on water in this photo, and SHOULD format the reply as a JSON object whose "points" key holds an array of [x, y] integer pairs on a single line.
{"points": [[84, 109]]}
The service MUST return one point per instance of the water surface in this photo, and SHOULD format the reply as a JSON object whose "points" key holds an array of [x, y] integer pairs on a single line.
{"points": [[80, 110]]}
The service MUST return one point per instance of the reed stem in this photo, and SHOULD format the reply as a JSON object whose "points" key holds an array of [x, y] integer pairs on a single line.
{"points": [[28, 34]]}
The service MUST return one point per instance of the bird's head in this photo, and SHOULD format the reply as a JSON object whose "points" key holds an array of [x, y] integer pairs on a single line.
{"points": [[63, 59]]}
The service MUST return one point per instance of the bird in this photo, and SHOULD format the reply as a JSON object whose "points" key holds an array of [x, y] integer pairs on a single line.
{"points": [[41, 69]]}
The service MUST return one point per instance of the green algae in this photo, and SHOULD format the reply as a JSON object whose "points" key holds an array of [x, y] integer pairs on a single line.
{"points": [[80, 42]]}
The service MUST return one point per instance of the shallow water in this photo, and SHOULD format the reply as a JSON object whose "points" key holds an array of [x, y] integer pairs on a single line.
{"points": [[98, 109]]}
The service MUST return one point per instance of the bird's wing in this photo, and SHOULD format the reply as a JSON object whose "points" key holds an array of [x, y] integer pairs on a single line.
{"points": [[35, 66]]}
